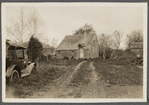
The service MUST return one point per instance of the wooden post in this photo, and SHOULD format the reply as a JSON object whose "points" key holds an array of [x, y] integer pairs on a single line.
{"points": [[23, 53], [47, 57], [104, 54], [15, 56]]}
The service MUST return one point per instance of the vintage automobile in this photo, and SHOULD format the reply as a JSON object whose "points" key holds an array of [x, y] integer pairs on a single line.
{"points": [[17, 64]]}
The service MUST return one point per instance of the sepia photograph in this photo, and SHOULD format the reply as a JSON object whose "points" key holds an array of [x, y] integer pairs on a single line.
{"points": [[74, 52]]}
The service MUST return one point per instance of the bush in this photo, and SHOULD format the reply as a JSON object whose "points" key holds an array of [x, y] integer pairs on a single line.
{"points": [[34, 49], [42, 58], [128, 50], [108, 52]]}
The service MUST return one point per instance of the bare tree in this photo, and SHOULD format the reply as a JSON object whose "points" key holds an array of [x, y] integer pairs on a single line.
{"points": [[36, 24], [25, 25], [46, 41], [105, 42], [54, 43], [117, 39], [136, 35], [18, 30]]}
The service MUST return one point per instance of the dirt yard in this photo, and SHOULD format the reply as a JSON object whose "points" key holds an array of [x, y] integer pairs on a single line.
{"points": [[87, 79]]}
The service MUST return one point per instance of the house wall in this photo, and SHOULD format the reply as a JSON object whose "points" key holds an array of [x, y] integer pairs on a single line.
{"points": [[93, 49], [77, 54], [91, 52], [86, 53], [69, 54]]}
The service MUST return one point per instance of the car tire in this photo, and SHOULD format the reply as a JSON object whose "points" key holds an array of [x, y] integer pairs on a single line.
{"points": [[14, 76]]}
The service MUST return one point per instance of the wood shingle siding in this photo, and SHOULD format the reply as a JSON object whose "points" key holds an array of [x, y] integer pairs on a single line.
{"points": [[78, 46]]}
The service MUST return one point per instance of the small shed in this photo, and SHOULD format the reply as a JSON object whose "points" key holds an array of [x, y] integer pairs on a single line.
{"points": [[137, 47]]}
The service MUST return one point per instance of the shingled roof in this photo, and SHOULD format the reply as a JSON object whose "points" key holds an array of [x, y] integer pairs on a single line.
{"points": [[71, 42]]}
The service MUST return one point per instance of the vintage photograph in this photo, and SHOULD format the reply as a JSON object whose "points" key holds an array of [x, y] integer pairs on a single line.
{"points": [[90, 52]]}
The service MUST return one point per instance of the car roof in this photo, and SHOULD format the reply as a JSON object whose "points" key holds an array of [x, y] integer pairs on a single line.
{"points": [[14, 45]]}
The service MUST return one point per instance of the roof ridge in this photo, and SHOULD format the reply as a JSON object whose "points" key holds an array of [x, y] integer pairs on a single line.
{"points": [[61, 42], [72, 41]]}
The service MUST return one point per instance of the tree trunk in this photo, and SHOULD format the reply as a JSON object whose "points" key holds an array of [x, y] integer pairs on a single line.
{"points": [[111, 55], [47, 58], [104, 54]]}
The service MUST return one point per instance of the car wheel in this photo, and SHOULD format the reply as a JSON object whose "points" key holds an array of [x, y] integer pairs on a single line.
{"points": [[14, 76]]}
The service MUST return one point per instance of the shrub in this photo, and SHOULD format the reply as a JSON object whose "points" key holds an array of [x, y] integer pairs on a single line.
{"points": [[34, 48], [128, 50], [108, 52]]}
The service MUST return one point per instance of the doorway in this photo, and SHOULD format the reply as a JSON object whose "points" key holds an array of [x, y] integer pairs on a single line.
{"points": [[81, 52]]}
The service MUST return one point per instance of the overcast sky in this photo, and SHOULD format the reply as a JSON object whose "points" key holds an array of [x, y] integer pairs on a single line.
{"points": [[59, 21]]}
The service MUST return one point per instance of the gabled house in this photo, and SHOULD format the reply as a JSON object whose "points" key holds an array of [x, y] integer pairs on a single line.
{"points": [[137, 47], [83, 46]]}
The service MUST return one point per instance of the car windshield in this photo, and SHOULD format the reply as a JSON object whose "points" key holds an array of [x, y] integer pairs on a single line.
{"points": [[12, 54], [19, 53]]}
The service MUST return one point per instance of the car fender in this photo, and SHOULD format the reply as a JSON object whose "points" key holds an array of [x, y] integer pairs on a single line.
{"points": [[27, 71], [11, 68]]}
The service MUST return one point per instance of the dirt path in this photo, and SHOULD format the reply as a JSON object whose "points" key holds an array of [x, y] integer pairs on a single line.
{"points": [[98, 88], [67, 81], [95, 89], [60, 89]]}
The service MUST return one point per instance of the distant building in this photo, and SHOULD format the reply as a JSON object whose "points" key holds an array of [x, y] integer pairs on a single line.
{"points": [[48, 51], [137, 47], [78, 46]]}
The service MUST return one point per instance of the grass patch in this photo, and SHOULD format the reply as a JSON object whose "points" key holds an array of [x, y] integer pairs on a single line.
{"points": [[45, 75], [38, 79], [63, 62], [123, 75]]}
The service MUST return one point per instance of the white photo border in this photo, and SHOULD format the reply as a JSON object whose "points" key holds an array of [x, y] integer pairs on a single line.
{"points": [[69, 100]]}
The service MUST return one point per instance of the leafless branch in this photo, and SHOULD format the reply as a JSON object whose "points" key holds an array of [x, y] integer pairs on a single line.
{"points": [[117, 39], [24, 26], [54, 43]]}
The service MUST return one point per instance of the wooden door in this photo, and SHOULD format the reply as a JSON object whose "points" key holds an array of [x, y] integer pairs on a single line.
{"points": [[81, 52]]}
